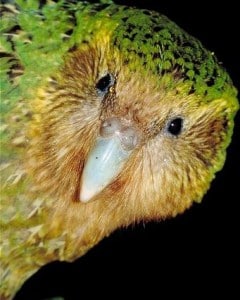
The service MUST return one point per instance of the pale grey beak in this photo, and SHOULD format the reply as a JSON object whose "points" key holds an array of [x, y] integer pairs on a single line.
{"points": [[106, 159]]}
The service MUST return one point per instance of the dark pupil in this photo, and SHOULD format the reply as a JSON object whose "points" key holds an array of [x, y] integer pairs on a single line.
{"points": [[104, 83], [175, 126]]}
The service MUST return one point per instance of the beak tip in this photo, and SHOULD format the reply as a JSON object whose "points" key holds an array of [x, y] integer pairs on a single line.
{"points": [[85, 195]]}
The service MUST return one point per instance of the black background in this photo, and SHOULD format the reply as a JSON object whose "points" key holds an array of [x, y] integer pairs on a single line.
{"points": [[196, 254]]}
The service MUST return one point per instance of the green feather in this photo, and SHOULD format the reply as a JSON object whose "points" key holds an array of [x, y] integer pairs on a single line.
{"points": [[160, 44], [34, 41]]}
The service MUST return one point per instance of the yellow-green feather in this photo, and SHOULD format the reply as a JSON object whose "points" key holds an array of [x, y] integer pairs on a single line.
{"points": [[34, 40]]}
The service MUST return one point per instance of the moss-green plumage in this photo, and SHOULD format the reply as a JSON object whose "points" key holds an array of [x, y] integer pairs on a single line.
{"points": [[159, 43], [51, 57]]}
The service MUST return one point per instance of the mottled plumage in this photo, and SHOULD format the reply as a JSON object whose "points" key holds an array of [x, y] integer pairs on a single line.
{"points": [[70, 71]]}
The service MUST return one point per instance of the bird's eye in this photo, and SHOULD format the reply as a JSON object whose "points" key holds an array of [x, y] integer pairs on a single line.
{"points": [[174, 127], [104, 83]]}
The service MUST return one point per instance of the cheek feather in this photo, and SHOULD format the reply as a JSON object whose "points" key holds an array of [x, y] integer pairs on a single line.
{"points": [[64, 127], [207, 138]]}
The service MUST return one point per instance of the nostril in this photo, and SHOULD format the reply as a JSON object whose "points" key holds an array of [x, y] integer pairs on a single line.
{"points": [[110, 127], [126, 132], [130, 138]]}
